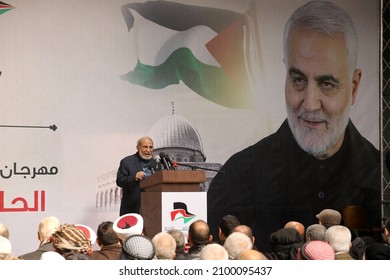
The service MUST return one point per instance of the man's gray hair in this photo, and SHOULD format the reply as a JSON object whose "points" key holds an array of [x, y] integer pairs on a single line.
{"points": [[237, 242], [315, 232], [142, 138], [327, 18], [339, 237]]}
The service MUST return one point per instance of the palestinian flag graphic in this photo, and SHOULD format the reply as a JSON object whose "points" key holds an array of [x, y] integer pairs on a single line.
{"points": [[209, 50], [4, 7], [180, 212]]}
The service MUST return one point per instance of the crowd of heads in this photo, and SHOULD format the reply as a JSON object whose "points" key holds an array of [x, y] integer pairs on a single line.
{"points": [[125, 239]]}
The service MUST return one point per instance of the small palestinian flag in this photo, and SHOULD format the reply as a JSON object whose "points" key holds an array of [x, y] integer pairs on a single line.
{"points": [[4, 7]]}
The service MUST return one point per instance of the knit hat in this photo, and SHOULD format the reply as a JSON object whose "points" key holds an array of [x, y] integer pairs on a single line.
{"points": [[329, 217], [5, 246], [68, 238], [137, 247], [285, 243], [89, 233], [128, 224], [317, 250]]}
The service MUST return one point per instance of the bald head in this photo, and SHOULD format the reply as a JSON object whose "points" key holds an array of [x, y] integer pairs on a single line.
{"points": [[296, 225], [245, 230], [251, 255], [199, 233]]}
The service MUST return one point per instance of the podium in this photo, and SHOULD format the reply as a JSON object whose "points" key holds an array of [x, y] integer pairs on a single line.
{"points": [[156, 190]]}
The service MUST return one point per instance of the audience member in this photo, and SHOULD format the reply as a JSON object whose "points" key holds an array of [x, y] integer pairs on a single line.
{"points": [[108, 241], [226, 226], [46, 228], [357, 248], [251, 254], [235, 243], [165, 246], [137, 247], [247, 231], [285, 243], [180, 243], [316, 250], [71, 242], [329, 217], [77, 257], [339, 237], [214, 251], [386, 230], [5, 249], [128, 224], [315, 232], [377, 251], [298, 226], [198, 237], [4, 231]]}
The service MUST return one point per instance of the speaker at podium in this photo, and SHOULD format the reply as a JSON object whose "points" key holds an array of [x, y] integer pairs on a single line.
{"points": [[173, 199]]}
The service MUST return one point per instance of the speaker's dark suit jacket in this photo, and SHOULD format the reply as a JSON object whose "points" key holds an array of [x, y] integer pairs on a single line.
{"points": [[125, 179]]}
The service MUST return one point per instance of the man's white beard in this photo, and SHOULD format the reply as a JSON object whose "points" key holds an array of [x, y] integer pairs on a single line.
{"points": [[309, 139], [145, 157]]}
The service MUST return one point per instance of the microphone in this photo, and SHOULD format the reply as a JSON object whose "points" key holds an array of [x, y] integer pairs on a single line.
{"points": [[192, 166], [164, 160], [152, 166], [158, 166]]}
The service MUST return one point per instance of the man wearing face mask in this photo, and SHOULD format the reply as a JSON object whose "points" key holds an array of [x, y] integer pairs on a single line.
{"points": [[317, 159], [132, 170]]}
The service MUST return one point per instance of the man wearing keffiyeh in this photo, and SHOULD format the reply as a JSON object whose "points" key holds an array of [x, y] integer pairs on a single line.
{"points": [[68, 240]]}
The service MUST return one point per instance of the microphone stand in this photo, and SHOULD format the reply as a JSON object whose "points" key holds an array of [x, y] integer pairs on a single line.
{"points": [[197, 167]]}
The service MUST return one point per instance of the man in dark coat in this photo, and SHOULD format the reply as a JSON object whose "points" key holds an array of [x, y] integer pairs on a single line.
{"points": [[132, 170], [317, 159]]}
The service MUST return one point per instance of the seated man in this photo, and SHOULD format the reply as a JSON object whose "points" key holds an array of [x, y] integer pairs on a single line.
{"points": [[165, 246], [226, 226], [340, 238], [137, 247], [108, 241], [236, 243], [198, 237], [46, 228], [180, 243]]}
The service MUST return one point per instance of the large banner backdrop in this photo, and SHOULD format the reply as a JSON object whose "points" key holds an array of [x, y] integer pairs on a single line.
{"points": [[81, 81]]}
